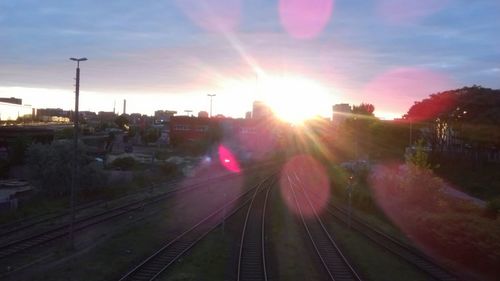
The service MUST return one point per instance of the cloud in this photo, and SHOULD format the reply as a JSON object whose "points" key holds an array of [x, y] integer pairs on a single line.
{"points": [[155, 47]]}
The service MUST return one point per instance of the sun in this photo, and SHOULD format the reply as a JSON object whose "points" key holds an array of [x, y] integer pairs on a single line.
{"points": [[293, 98]]}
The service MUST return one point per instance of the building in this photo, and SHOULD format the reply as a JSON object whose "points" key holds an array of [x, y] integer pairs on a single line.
{"points": [[202, 114], [13, 108], [9, 135], [87, 115], [12, 100], [261, 110], [163, 116], [186, 128], [106, 116], [49, 112], [12, 111], [340, 112]]}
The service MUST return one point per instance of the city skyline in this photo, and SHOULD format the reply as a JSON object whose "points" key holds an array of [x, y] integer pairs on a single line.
{"points": [[171, 54]]}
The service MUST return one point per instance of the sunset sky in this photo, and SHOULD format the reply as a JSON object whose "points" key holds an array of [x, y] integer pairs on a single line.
{"points": [[171, 54]]}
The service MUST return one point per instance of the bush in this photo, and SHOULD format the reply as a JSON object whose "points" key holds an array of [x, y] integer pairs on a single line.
{"points": [[169, 169], [452, 227], [51, 167], [124, 163], [492, 208]]}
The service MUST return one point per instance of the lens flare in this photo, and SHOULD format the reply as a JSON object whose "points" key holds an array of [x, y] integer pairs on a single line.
{"points": [[227, 160], [210, 186], [308, 179], [442, 223], [305, 19], [401, 86], [257, 139]]}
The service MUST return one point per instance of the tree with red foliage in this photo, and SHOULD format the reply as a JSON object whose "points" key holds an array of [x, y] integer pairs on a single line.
{"points": [[471, 114]]}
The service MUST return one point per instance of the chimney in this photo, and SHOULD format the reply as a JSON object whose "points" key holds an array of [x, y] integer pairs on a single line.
{"points": [[124, 106]]}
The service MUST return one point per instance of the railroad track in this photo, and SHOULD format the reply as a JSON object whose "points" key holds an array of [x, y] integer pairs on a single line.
{"points": [[18, 226], [407, 252], [15, 227], [335, 263], [164, 257], [19, 245], [252, 254]]}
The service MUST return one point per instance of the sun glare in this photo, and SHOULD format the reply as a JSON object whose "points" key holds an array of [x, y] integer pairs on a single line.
{"points": [[294, 99]]}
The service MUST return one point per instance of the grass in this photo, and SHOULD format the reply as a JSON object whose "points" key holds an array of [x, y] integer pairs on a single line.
{"points": [[131, 244], [376, 219], [207, 261], [38, 205], [482, 181], [42, 204], [112, 258], [288, 244], [371, 260]]}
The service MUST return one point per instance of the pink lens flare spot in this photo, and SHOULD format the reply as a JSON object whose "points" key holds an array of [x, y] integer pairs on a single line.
{"points": [[399, 87], [203, 199], [408, 11], [305, 19], [228, 160], [304, 185], [418, 202], [213, 15]]}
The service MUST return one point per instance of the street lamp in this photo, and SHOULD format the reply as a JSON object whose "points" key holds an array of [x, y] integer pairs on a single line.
{"points": [[211, 96], [75, 156]]}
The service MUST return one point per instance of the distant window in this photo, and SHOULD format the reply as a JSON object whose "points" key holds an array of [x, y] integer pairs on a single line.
{"points": [[202, 128], [182, 127], [248, 130]]}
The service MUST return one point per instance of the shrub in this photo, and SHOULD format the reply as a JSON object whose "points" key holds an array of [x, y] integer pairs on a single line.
{"points": [[169, 169], [492, 208], [124, 163], [51, 167]]}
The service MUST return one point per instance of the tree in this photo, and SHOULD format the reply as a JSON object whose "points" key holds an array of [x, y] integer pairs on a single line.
{"points": [[122, 122], [418, 157], [124, 163], [150, 135], [363, 109], [470, 114], [50, 167]]}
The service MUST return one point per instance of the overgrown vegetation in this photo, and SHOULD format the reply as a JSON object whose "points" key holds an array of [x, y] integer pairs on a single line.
{"points": [[50, 167], [446, 226], [124, 163]]}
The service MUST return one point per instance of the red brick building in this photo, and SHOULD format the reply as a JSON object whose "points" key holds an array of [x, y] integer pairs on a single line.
{"points": [[186, 128]]}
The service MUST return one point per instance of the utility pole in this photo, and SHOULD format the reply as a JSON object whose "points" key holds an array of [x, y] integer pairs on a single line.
{"points": [[75, 156], [211, 96]]}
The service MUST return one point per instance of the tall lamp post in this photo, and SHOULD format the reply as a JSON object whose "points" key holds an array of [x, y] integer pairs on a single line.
{"points": [[75, 156], [211, 96]]}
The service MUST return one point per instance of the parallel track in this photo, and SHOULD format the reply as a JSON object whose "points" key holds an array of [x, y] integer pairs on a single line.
{"points": [[404, 251], [14, 227], [163, 258], [252, 254], [18, 226], [333, 260], [25, 243]]}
